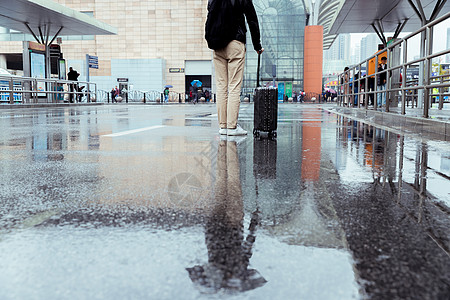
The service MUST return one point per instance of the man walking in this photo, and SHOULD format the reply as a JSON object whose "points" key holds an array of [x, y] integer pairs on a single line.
{"points": [[72, 75], [225, 32]]}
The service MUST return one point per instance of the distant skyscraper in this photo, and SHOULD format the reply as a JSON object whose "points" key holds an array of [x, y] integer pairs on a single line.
{"points": [[369, 45], [344, 47], [340, 49], [355, 57], [338, 56]]}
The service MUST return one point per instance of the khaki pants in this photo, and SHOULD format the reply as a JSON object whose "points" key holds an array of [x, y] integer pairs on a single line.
{"points": [[229, 65]]}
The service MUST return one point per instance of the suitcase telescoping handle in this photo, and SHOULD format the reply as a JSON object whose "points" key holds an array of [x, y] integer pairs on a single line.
{"points": [[257, 72]]}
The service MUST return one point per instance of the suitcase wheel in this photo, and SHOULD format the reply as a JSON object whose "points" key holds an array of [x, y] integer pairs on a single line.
{"points": [[255, 133]]}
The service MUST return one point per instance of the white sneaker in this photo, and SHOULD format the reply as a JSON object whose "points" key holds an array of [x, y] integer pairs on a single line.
{"points": [[223, 131], [237, 131], [238, 139]]}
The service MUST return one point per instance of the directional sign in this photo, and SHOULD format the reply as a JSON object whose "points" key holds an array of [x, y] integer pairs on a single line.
{"points": [[93, 62], [176, 70]]}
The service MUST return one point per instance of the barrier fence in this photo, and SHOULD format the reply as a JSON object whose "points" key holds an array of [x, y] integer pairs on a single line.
{"points": [[135, 96], [360, 85], [27, 90]]}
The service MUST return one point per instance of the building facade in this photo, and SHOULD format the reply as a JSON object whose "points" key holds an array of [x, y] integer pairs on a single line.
{"points": [[162, 43]]}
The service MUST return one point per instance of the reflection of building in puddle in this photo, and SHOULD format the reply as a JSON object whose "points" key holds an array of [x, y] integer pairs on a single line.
{"points": [[371, 147], [189, 120], [311, 146], [314, 221], [418, 187], [194, 122], [301, 213], [174, 172]]}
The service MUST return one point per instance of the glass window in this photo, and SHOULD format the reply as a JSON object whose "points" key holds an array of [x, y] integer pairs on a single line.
{"points": [[282, 25]]}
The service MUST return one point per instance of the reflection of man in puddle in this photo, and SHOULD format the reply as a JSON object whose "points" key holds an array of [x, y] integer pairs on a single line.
{"points": [[228, 253]]}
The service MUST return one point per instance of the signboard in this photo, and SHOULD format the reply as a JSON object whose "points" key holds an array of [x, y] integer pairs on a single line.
{"points": [[372, 65], [122, 79], [289, 89], [62, 69], [445, 69], [281, 91], [331, 83], [93, 61], [37, 63], [176, 70], [36, 46]]}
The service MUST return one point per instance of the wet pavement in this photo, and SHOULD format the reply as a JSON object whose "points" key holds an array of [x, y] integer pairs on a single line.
{"points": [[149, 202]]}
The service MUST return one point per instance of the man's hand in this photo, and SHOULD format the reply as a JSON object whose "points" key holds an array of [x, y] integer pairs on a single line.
{"points": [[260, 51]]}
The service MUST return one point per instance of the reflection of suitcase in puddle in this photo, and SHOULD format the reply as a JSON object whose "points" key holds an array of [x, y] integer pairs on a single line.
{"points": [[265, 158], [265, 109]]}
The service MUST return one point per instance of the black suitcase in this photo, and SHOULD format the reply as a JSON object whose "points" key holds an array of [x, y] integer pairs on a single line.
{"points": [[265, 109]]}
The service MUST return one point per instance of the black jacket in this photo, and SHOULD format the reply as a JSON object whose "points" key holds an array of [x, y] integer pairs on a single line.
{"points": [[245, 10], [382, 76], [72, 75]]}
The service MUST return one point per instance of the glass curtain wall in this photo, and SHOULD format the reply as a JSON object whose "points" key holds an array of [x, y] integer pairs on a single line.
{"points": [[282, 25]]}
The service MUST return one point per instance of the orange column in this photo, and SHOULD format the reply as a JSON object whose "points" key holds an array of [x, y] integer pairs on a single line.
{"points": [[313, 59]]}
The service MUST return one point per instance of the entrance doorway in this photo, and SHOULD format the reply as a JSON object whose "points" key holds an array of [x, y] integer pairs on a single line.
{"points": [[123, 87], [196, 92]]}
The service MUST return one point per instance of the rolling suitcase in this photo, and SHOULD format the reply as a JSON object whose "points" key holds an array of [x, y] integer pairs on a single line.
{"points": [[266, 109]]}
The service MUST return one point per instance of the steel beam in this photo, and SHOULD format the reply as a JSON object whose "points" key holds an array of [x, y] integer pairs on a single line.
{"points": [[437, 9], [31, 31]]}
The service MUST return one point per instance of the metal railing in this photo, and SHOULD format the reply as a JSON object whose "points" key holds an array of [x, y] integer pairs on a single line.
{"points": [[135, 96], [28, 90], [398, 90]]}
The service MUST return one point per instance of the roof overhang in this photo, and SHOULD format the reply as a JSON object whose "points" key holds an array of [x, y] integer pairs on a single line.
{"points": [[357, 16], [40, 14]]}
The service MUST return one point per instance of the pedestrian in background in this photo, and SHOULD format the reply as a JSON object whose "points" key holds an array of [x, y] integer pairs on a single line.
{"points": [[72, 76], [381, 83], [225, 32], [113, 91], [345, 81], [355, 89], [116, 93], [166, 95]]}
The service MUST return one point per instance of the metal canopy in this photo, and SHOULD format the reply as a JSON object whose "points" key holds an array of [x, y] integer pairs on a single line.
{"points": [[356, 16], [50, 17], [361, 16]]}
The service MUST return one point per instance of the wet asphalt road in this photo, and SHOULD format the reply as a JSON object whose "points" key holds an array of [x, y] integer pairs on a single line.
{"points": [[148, 202]]}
